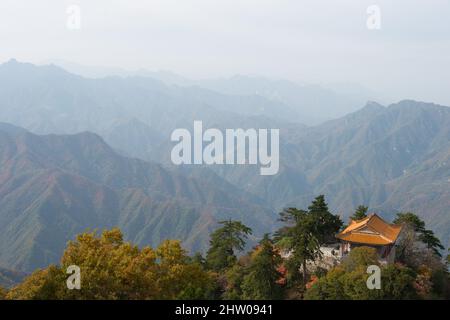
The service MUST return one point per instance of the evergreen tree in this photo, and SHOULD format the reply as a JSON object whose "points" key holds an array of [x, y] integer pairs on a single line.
{"points": [[234, 276], [198, 259], [360, 213], [224, 242], [304, 233], [425, 235], [326, 224], [260, 282], [299, 239]]}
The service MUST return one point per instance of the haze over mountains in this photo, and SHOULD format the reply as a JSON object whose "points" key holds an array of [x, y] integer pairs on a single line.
{"points": [[58, 179], [55, 186], [311, 104]]}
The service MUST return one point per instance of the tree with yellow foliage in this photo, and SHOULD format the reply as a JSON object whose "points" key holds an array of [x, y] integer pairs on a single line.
{"points": [[178, 278], [46, 284], [111, 268], [2, 293]]}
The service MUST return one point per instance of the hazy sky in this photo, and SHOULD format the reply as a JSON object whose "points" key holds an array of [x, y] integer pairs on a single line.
{"points": [[313, 41]]}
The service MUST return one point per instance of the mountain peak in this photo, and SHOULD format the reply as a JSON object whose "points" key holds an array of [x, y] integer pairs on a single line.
{"points": [[15, 68], [373, 105], [370, 109]]}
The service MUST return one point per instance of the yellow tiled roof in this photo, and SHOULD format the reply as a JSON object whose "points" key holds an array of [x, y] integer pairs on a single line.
{"points": [[370, 230]]}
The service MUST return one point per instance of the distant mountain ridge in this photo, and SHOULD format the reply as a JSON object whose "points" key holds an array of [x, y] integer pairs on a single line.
{"points": [[311, 104]]}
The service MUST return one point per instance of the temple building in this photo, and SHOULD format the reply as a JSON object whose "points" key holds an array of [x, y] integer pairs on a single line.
{"points": [[371, 231]]}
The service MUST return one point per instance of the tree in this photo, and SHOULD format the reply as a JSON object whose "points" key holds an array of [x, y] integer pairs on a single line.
{"points": [[224, 242], [111, 268], [234, 276], [360, 256], [47, 284], [114, 269], [397, 283], [326, 224], [349, 280], [360, 213], [198, 259], [304, 233], [425, 235], [178, 278], [425, 262], [260, 282], [299, 239], [329, 287], [2, 293], [354, 281]]}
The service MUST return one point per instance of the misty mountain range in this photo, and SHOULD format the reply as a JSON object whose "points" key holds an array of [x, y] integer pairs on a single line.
{"points": [[81, 153], [309, 103], [55, 186]]}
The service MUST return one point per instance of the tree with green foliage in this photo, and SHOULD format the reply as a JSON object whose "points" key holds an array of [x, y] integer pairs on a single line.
{"points": [[233, 278], [328, 287], [348, 281], [360, 213], [298, 237], [198, 259], [440, 279], [260, 283], [397, 283], [326, 224], [224, 242], [432, 273], [354, 280], [425, 235], [303, 234], [360, 256]]}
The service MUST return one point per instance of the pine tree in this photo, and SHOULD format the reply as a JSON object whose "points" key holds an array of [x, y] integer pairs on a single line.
{"points": [[360, 213], [425, 235], [260, 282], [304, 233], [299, 239], [224, 242], [326, 223]]}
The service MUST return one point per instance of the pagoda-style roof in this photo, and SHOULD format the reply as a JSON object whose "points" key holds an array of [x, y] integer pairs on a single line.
{"points": [[371, 230]]}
